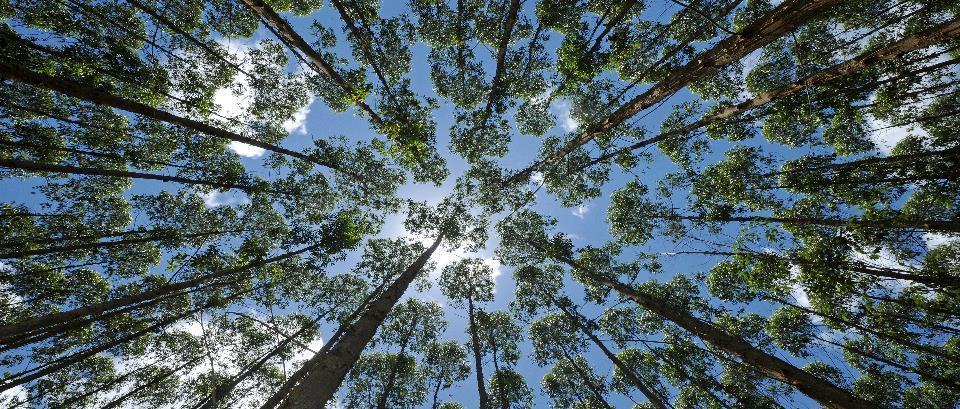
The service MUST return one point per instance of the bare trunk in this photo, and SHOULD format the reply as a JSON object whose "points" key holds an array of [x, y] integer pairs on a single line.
{"points": [[49, 368], [786, 17], [818, 389], [395, 368], [282, 29], [585, 378], [890, 52], [327, 371], [627, 371], [477, 356], [76, 170], [103, 309], [96, 96], [106, 244], [929, 225]]}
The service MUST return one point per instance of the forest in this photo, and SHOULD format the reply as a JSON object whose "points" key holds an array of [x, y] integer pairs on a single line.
{"points": [[493, 204]]}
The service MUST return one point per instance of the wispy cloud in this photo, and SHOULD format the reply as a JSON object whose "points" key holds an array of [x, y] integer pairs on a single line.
{"points": [[934, 240], [233, 102], [581, 210], [216, 198], [563, 110]]}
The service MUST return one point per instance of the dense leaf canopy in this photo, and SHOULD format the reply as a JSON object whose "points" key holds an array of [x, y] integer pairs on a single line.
{"points": [[722, 204]]}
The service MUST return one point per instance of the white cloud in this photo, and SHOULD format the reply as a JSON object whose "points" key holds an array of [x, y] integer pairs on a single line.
{"points": [[562, 109], [885, 259], [217, 198], [14, 397], [536, 178], [190, 326], [748, 63], [885, 136], [934, 240], [297, 124], [581, 210], [247, 151], [308, 352], [233, 103]]}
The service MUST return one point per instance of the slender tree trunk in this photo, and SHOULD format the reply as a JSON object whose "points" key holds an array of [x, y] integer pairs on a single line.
{"points": [[913, 42], [784, 18], [365, 46], [935, 281], [818, 389], [274, 401], [108, 244], [477, 356], [496, 84], [436, 390], [949, 383], [153, 381], [102, 309], [585, 378], [911, 158], [49, 368], [903, 340], [160, 18], [96, 96], [395, 368], [282, 29], [327, 371], [929, 225], [504, 404], [225, 389], [634, 379], [77, 170]]}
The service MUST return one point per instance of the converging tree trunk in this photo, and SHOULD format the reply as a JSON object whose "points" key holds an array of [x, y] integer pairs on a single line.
{"points": [[785, 18], [327, 371], [818, 389]]}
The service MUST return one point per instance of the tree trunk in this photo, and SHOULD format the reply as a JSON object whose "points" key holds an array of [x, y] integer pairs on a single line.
{"points": [[784, 18], [282, 29], [107, 244], [102, 309], [395, 368], [634, 379], [436, 390], [893, 51], [882, 160], [224, 389], [477, 356], [818, 389], [585, 378], [365, 46], [496, 372], [935, 281], [41, 371], [153, 381], [929, 225], [326, 371], [76, 170], [99, 97]]}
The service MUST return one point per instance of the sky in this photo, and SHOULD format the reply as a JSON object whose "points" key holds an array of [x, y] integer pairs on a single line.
{"points": [[585, 224]]}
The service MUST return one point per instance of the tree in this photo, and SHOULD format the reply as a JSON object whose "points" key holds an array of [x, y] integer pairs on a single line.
{"points": [[468, 282]]}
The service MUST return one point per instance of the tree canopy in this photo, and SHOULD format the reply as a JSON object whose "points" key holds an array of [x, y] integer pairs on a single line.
{"points": [[498, 204]]}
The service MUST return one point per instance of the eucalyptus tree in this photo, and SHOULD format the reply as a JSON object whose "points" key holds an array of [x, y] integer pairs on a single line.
{"points": [[322, 375], [468, 282], [524, 239], [444, 363], [542, 289]]}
